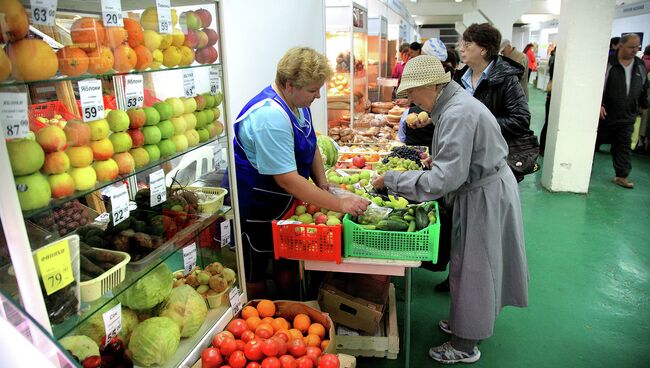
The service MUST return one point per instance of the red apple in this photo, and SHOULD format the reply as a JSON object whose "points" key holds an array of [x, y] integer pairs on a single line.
{"points": [[359, 161], [213, 36], [137, 137], [191, 39], [205, 16]]}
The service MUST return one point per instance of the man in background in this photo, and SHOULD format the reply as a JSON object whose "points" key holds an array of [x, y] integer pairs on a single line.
{"points": [[510, 52]]}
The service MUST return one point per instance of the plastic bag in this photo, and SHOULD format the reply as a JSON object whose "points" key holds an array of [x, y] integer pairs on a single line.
{"points": [[374, 214]]}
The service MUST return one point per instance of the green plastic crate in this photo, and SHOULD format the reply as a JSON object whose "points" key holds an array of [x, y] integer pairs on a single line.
{"points": [[398, 245]]}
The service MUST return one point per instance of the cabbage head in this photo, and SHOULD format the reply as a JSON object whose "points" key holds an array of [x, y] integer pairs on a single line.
{"points": [[93, 327], [154, 341], [150, 290], [80, 346], [187, 308]]}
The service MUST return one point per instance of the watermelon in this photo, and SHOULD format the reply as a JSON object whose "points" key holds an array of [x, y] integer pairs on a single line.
{"points": [[329, 150]]}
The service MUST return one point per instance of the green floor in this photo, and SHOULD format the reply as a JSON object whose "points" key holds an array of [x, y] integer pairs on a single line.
{"points": [[589, 262]]}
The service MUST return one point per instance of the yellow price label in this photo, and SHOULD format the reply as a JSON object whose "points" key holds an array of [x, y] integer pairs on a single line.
{"points": [[55, 266]]}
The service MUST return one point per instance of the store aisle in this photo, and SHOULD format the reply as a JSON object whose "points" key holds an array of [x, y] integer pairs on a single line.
{"points": [[589, 264]]}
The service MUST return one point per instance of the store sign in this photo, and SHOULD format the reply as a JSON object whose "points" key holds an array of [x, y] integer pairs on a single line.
{"points": [[112, 322], [55, 265], [225, 233], [119, 203], [189, 258], [43, 12], [112, 13], [134, 91], [163, 8], [157, 188], [92, 101], [188, 83], [215, 80], [13, 114]]}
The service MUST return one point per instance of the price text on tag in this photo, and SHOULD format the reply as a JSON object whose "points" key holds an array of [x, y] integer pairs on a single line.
{"points": [[163, 7], [92, 101], [225, 233], [43, 12], [13, 114], [56, 266], [134, 91], [189, 258], [188, 83], [112, 13], [119, 204], [215, 80], [157, 187], [235, 299], [112, 322]]}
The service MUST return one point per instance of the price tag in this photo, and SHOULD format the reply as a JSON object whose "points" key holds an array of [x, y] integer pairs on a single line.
{"points": [[235, 299], [163, 7], [134, 91], [188, 83], [92, 102], [189, 258], [215, 80], [119, 204], [225, 233], [56, 266], [13, 114], [112, 13], [112, 322], [342, 173], [43, 12], [157, 188]]}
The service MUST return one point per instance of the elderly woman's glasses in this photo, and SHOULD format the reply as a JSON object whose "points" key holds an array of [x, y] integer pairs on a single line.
{"points": [[466, 44]]}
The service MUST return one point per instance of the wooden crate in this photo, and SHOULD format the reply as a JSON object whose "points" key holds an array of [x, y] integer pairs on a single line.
{"points": [[384, 346]]}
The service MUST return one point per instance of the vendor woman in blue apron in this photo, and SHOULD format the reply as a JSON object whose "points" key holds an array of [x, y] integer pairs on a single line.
{"points": [[275, 155]]}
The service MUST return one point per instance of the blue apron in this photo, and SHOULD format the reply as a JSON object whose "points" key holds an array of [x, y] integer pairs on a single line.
{"points": [[261, 199]]}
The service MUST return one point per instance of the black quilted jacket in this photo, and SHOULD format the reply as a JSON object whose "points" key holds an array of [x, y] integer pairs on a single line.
{"points": [[504, 97]]}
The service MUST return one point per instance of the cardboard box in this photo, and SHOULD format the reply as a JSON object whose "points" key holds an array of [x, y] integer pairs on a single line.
{"points": [[355, 301]]}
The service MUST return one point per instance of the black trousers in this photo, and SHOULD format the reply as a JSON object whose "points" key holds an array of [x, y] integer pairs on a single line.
{"points": [[620, 137], [542, 135]]}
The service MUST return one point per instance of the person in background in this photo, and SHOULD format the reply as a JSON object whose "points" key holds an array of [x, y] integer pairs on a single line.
{"points": [[625, 93], [643, 147], [614, 42], [415, 49], [399, 67], [529, 51], [275, 156], [549, 89], [509, 51], [452, 49], [488, 264], [646, 58]]}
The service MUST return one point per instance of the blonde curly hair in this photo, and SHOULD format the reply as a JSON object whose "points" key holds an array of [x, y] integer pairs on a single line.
{"points": [[302, 66]]}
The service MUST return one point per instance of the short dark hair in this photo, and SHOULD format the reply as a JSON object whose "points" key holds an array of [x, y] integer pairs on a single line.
{"points": [[614, 41], [415, 46], [647, 50], [486, 36]]}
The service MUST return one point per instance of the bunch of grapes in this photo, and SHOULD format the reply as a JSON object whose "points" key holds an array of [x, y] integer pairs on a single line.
{"points": [[409, 153], [397, 163]]}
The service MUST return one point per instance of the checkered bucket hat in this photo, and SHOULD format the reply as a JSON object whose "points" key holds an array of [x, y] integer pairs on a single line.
{"points": [[423, 70]]}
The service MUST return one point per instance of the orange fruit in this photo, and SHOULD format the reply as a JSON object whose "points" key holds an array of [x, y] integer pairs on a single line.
{"points": [[73, 61], [323, 344], [301, 322], [115, 36], [100, 60], [268, 320], [125, 58], [295, 334], [249, 311], [144, 60], [253, 322], [264, 330], [266, 308], [312, 340], [280, 324], [88, 33], [284, 335], [317, 329], [134, 31]]}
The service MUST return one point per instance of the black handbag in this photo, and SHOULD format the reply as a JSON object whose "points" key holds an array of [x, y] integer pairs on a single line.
{"points": [[522, 157]]}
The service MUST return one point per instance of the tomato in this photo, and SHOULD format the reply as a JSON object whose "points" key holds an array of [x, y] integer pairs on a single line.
{"points": [[282, 345], [211, 358], [288, 361], [253, 365], [240, 344], [247, 336], [228, 346], [329, 361], [218, 338], [284, 335], [359, 162], [237, 359], [271, 362], [304, 362], [237, 326], [297, 348], [313, 353], [253, 350], [93, 361], [270, 348], [264, 331]]}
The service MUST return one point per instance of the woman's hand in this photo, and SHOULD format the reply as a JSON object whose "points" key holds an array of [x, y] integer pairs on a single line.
{"points": [[354, 205], [378, 182]]}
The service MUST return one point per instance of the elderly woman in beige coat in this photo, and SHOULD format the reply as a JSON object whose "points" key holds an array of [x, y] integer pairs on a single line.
{"points": [[488, 268]]}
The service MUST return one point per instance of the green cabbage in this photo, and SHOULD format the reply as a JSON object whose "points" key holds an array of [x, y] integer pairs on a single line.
{"points": [[328, 149], [150, 290], [80, 346], [187, 308], [154, 341], [93, 327]]}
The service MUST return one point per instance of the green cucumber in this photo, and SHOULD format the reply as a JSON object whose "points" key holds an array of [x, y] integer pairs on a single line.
{"points": [[409, 218], [392, 225], [421, 218], [411, 227]]}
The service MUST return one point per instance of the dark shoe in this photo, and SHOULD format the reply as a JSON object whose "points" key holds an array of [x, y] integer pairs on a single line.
{"points": [[442, 287], [623, 182]]}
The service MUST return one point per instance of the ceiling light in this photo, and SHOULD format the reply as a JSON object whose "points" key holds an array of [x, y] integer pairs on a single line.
{"points": [[458, 1]]}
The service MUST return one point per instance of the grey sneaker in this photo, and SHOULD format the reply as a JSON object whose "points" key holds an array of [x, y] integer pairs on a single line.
{"points": [[444, 326], [446, 354]]}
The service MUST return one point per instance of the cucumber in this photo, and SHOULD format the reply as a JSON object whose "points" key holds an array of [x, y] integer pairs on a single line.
{"points": [[397, 218], [411, 211], [409, 217], [421, 218], [369, 227], [411, 227], [392, 225]]}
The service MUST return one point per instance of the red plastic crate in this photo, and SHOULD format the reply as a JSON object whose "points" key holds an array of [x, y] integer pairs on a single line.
{"points": [[306, 242], [46, 110]]}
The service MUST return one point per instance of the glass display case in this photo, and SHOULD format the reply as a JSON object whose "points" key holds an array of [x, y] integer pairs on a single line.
{"points": [[114, 125], [347, 50], [378, 54]]}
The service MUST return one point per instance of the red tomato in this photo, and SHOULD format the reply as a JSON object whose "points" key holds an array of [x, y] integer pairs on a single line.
{"points": [[253, 350], [271, 362], [329, 361], [211, 358], [237, 359], [297, 348], [225, 366], [284, 335], [313, 353], [288, 361], [228, 346], [304, 362], [282, 345], [240, 344], [247, 336], [253, 365], [218, 338], [270, 348], [237, 326]]}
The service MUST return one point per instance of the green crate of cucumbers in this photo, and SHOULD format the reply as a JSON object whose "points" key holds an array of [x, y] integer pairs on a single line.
{"points": [[410, 233]]}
